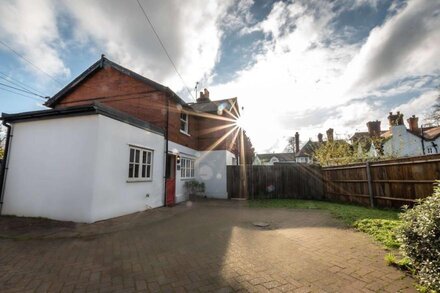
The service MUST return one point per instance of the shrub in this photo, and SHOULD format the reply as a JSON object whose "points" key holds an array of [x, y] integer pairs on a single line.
{"points": [[194, 187], [420, 236]]}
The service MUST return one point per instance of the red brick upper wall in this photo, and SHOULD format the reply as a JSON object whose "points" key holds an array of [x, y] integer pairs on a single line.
{"points": [[134, 97]]}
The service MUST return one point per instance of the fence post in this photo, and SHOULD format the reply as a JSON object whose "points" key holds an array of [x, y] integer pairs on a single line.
{"points": [[370, 188]]}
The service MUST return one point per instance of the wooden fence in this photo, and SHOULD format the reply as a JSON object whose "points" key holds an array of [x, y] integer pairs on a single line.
{"points": [[389, 183], [298, 181]]}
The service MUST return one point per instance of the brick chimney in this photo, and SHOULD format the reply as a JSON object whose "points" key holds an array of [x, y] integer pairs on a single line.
{"points": [[296, 142], [204, 97], [330, 137], [320, 137], [413, 122], [395, 119], [374, 128]]}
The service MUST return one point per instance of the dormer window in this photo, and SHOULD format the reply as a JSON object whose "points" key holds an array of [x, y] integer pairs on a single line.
{"points": [[184, 123]]}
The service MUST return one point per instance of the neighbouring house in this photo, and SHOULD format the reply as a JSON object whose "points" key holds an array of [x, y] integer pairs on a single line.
{"points": [[274, 158], [114, 142], [398, 140], [304, 154]]}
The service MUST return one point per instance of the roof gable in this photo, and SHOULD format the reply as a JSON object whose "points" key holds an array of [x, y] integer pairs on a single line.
{"points": [[98, 65]]}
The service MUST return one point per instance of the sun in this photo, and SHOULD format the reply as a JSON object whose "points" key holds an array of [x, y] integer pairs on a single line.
{"points": [[239, 122]]}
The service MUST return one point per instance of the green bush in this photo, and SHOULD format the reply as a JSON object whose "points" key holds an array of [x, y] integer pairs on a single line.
{"points": [[420, 237], [194, 186]]}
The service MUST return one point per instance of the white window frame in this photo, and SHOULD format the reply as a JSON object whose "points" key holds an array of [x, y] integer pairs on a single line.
{"points": [[141, 164], [187, 168], [184, 118]]}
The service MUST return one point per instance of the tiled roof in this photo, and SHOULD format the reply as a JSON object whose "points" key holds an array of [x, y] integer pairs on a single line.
{"points": [[309, 148], [282, 157], [214, 106], [363, 134], [429, 133]]}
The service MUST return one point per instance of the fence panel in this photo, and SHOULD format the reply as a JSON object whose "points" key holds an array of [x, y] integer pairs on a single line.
{"points": [[393, 182], [275, 182], [387, 183]]}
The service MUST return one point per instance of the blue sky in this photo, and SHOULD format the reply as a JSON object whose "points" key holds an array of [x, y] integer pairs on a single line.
{"points": [[294, 65]]}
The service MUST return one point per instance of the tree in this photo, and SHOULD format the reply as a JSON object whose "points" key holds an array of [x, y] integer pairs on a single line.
{"points": [[434, 116], [290, 148], [334, 153]]}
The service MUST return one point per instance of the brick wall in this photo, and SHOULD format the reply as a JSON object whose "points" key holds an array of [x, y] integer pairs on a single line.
{"points": [[124, 93], [127, 94]]}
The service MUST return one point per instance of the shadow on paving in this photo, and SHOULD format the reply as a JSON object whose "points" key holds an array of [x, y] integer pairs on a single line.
{"points": [[202, 246]]}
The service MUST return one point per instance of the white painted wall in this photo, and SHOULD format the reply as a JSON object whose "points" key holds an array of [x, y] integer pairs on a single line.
{"points": [[113, 194], [230, 158], [211, 169], [51, 169], [76, 169], [402, 143], [430, 149], [183, 152]]}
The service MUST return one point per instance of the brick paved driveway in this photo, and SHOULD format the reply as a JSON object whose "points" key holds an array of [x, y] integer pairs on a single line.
{"points": [[204, 246]]}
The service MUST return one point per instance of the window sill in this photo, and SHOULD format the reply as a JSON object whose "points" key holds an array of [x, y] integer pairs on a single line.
{"points": [[183, 132], [187, 179], [138, 180]]}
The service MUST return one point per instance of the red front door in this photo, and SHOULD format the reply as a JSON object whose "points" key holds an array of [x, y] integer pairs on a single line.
{"points": [[170, 182]]}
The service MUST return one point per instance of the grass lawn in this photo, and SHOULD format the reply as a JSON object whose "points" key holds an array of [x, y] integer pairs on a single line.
{"points": [[380, 224]]}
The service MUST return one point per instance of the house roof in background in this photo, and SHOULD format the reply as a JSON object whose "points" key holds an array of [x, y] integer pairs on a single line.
{"points": [[215, 106], [431, 133], [308, 149], [99, 65], [95, 108], [282, 157], [362, 135]]}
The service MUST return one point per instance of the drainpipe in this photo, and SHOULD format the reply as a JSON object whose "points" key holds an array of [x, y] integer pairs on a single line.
{"points": [[4, 163], [166, 152], [423, 143]]}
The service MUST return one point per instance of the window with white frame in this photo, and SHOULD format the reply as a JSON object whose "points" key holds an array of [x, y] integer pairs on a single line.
{"points": [[184, 122], [186, 168], [140, 164]]}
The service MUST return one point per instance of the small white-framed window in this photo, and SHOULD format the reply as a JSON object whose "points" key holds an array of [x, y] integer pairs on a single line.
{"points": [[184, 122], [186, 168], [429, 150], [140, 164]]}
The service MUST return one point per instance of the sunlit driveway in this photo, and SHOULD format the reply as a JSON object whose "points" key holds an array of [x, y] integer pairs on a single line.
{"points": [[204, 246]]}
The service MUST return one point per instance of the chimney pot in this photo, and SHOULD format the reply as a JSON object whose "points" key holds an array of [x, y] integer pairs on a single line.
{"points": [[413, 122], [204, 96], [297, 142], [395, 119], [320, 137], [374, 128], [330, 137]]}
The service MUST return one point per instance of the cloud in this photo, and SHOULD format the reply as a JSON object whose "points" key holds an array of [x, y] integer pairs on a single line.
{"points": [[407, 44], [188, 30], [30, 27], [420, 106], [309, 79]]}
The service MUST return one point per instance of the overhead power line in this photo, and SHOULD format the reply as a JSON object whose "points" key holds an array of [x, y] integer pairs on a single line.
{"points": [[19, 83], [163, 47], [20, 94], [21, 90], [33, 65]]}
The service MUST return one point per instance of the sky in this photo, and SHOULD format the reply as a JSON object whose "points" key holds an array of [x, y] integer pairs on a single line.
{"points": [[301, 66]]}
